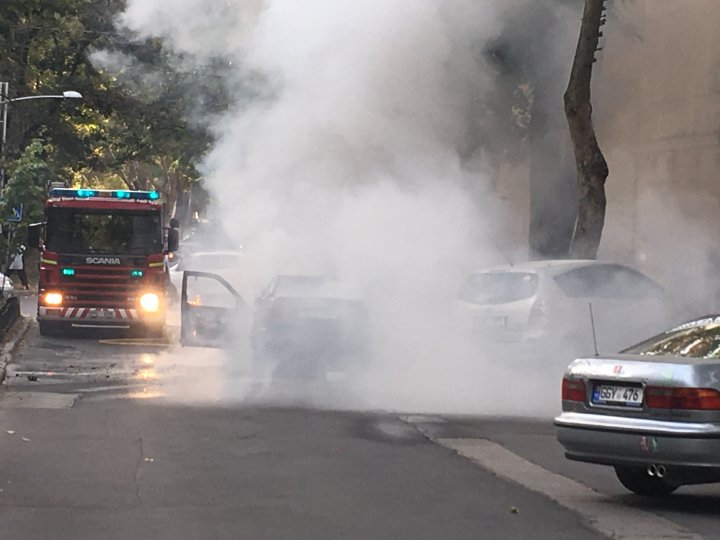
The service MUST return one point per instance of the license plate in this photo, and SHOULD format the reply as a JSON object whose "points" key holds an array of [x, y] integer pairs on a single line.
{"points": [[316, 314], [624, 396], [486, 323], [102, 314]]}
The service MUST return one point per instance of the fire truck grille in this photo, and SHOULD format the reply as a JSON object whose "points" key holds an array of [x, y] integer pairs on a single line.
{"points": [[112, 287]]}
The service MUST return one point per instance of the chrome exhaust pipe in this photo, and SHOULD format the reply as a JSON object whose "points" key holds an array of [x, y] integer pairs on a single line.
{"points": [[660, 471], [652, 470]]}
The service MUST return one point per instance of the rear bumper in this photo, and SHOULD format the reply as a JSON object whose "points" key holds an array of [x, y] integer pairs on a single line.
{"points": [[610, 440], [96, 317], [304, 343]]}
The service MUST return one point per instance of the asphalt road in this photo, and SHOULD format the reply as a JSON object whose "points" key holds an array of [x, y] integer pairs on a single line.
{"points": [[694, 508], [102, 438]]}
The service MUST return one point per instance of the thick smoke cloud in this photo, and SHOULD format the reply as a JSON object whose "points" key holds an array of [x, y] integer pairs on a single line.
{"points": [[347, 159]]}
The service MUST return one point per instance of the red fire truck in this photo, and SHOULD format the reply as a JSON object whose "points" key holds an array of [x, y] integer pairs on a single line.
{"points": [[102, 262]]}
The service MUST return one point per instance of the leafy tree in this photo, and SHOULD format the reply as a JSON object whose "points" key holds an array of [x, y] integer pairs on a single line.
{"points": [[29, 176], [130, 128]]}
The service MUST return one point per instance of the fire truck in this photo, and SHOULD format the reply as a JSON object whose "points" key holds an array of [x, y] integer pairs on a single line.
{"points": [[102, 261]]}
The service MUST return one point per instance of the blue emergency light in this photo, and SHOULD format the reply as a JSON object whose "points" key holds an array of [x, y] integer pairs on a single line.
{"points": [[84, 193]]}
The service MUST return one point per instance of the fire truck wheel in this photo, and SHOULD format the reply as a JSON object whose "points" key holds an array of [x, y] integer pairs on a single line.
{"points": [[49, 328]]}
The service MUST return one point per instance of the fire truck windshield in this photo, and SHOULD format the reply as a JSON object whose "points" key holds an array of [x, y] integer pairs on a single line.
{"points": [[117, 232]]}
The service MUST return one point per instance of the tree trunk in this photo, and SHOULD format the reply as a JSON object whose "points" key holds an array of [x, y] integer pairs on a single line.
{"points": [[182, 207], [553, 192], [592, 170]]}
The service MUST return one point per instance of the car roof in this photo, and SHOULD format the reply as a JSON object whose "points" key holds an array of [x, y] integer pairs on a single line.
{"points": [[323, 285], [549, 266], [300, 279], [304, 276], [211, 253]]}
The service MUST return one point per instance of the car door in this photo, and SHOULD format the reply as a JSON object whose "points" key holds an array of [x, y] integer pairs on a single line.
{"points": [[212, 311]]}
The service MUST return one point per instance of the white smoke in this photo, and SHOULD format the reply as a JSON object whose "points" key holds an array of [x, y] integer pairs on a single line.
{"points": [[142, 81], [349, 163]]}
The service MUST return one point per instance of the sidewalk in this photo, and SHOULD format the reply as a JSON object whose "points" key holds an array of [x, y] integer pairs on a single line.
{"points": [[11, 341], [15, 334]]}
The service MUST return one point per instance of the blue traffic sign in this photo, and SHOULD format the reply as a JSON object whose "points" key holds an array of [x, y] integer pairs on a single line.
{"points": [[17, 214]]}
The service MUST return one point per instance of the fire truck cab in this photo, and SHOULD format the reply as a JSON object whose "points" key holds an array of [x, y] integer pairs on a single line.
{"points": [[103, 261]]}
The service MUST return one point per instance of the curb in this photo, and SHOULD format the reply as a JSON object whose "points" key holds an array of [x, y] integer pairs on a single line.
{"points": [[22, 325]]}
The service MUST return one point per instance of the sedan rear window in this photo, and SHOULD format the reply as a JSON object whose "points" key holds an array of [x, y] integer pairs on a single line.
{"points": [[498, 287], [702, 341]]}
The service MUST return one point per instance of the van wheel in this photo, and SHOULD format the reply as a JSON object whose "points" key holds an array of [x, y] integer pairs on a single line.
{"points": [[637, 480]]}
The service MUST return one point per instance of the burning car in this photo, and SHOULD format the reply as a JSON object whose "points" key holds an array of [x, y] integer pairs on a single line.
{"points": [[302, 326], [305, 325]]}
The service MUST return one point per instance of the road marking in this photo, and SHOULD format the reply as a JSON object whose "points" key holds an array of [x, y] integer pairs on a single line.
{"points": [[110, 388], [604, 514], [36, 400], [422, 419], [49, 376], [139, 342]]}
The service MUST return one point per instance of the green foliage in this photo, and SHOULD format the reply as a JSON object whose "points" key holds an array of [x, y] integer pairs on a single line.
{"points": [[131, 128], [29, 176]]}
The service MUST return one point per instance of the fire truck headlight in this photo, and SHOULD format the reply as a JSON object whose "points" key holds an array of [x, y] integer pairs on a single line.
{"points": [[53, 299], [150, 302]]}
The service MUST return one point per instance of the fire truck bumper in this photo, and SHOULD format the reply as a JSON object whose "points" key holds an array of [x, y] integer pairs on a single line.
{"points": [[95, 317]]}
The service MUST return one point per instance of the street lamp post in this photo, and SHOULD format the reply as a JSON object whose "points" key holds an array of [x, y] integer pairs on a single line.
{"points": [[5, 101], [4, 89]]}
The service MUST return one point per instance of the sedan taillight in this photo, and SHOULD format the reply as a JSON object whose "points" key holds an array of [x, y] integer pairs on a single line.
{"points": [[700, 399], [573, 390]]}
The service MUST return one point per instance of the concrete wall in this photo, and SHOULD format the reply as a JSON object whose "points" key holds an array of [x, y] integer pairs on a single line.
{"points": [[657, 107]]}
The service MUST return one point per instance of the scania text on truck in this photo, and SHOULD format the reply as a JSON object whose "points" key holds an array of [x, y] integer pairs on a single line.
{"points": [[102, 261]]}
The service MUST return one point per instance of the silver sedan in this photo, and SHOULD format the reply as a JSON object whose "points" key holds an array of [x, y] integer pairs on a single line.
{"points": [[652, 412]]}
